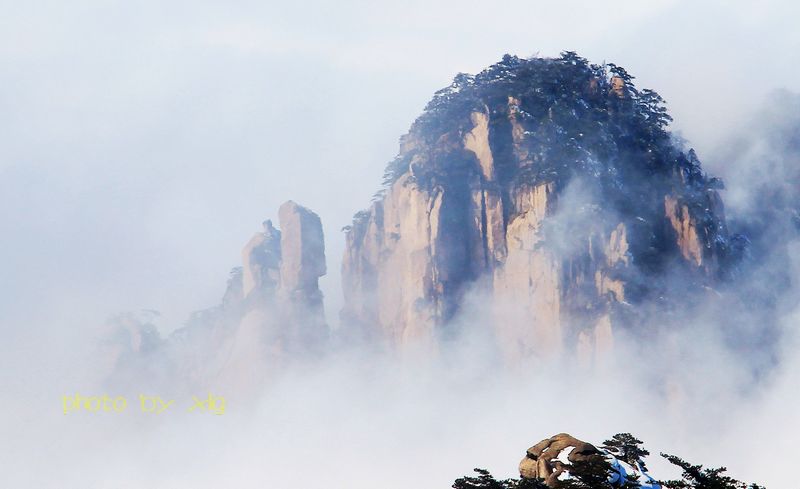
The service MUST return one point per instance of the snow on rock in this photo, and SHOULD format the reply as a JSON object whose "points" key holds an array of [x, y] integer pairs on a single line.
{"points": [[552, 460]]}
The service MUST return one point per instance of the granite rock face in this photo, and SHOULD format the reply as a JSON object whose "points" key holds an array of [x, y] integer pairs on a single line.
{"points": [[525, 193], [302, 262]]}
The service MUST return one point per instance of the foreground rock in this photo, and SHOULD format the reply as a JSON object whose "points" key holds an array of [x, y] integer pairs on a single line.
{"points": [[560, 457], [565, 462]]}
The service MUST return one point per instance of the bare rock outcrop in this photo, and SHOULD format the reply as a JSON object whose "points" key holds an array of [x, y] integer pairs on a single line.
{"points": [[562, 457], [551, 457], [282, 309], [302, 259]]}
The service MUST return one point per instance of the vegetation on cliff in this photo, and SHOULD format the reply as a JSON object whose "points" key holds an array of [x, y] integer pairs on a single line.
{"points": [[579, 118]]}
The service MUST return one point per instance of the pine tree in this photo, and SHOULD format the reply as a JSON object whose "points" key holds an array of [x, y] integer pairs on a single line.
{"points": [[627, 448], [485, 480], [696, 477], [592, 473]]}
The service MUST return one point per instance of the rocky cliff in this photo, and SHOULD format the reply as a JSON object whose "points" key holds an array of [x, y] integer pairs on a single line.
{"points": [[280, 315], [549, 194], [281, 271]]}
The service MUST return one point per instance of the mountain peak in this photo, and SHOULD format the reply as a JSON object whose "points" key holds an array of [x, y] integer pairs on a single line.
{"points": [[551, 189]]}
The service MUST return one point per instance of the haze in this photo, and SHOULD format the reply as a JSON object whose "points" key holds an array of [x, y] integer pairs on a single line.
{"points": [[141, 145]]}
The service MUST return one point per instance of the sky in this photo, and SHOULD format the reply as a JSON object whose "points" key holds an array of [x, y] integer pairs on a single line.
{"points": [[143, 143]]}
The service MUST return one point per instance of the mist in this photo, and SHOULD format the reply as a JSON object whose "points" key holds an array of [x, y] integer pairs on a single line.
{"points": [[141, 146]]}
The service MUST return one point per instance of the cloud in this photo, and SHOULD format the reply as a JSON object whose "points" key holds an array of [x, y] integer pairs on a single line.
{"points": [[142, 144]]}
